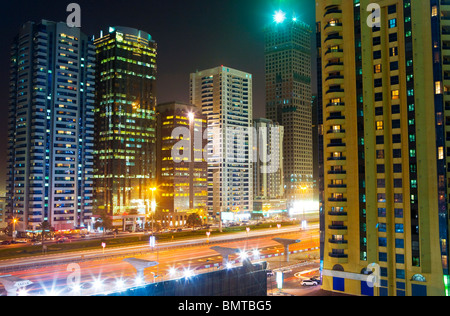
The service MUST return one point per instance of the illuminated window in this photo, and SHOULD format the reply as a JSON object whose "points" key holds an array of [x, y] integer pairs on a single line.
{"points": [[441, 153], [380, 125], [377, 68], [395, 94], [438, 87]]}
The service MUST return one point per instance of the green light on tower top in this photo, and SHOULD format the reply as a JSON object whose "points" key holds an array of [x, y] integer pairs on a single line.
{"points": [[279, 16]]}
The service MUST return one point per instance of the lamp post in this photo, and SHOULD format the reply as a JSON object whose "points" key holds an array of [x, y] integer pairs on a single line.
{"points": [[153, 206], [14, 229]]}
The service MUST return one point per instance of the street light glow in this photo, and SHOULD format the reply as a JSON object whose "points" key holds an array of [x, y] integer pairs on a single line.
{"points": [[188, 273], [120, 283], [243, 255], [279, 16]]}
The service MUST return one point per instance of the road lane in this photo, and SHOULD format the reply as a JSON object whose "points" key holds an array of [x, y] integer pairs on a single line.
{"points": [[181, 258]]}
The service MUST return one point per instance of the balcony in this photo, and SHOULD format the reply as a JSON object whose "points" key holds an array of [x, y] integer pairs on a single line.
{"points": [[337, 216], [338, 229]]}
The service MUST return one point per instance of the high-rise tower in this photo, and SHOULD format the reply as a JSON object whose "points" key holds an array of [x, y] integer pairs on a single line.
{"points": [[125, 151], [51, 127], [182, 170], [288, 101], [383, 70], [225, 96]]}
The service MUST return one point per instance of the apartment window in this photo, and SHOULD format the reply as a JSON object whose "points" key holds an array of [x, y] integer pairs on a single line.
{"points": [[395, 123], [434, 11], [397, 168], [399, 243], [377, 69], [392, 9], [399, 258], [398, 183], [380, 154], [398, 213], [397, 153], [380, 140], [400, 274], [378, 83], [393, 37], [395, 94], [377, 54], [381, 197], [393, 51], [394, 65], [399, 228], [380, 125], [382, 256], [438, 87], [392, 23], [441, 153]]}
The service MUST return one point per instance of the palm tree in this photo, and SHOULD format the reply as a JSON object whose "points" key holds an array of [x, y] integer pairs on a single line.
{"points": [[193, 220], [105, 222], [44, 227]]}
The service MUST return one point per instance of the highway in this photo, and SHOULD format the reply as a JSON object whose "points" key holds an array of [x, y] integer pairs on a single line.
{"points": [[174, 258]]}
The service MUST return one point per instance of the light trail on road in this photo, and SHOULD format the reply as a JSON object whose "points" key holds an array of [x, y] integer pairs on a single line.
{"points": [[54, 279]]}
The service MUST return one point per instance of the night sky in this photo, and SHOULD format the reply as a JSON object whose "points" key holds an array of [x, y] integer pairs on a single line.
{"points": [[191, 35]]}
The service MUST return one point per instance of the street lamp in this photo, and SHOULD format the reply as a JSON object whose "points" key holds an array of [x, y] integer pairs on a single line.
{"points": [[151, 205], [14, 228]]}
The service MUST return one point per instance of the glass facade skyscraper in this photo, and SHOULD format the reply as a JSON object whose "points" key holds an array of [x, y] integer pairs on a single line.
{"points": [[51, 127], [182, 170], [125, 156], [288, 102]]}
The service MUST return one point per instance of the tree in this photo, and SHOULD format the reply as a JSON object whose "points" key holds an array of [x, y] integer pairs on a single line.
{"points": [[45, 228], [194, 220], [105, 222]]}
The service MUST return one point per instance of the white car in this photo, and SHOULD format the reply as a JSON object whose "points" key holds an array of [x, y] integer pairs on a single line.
{"points": [[309, 283]]}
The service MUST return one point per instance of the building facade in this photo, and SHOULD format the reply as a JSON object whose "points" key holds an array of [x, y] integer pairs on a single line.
{"points": [[125, 149], [288, 101], [383, 96], [51, 127], [3, 218], [225, 97], [182, 170], [268, 176]]}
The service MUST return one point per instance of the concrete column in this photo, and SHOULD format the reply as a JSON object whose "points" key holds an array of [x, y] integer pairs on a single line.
{"points": [[140, 265], [286, 243]]}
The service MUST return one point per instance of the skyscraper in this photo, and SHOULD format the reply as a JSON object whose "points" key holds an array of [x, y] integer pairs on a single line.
{"points": [[51, 127], [182, 170], [268, 179], [288, 101], [383, 93], [125, 158], [225, 96], [268, 176]]}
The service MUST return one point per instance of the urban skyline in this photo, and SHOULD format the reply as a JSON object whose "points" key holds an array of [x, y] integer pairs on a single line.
{"points": [[325, 171], [175, 25]]}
